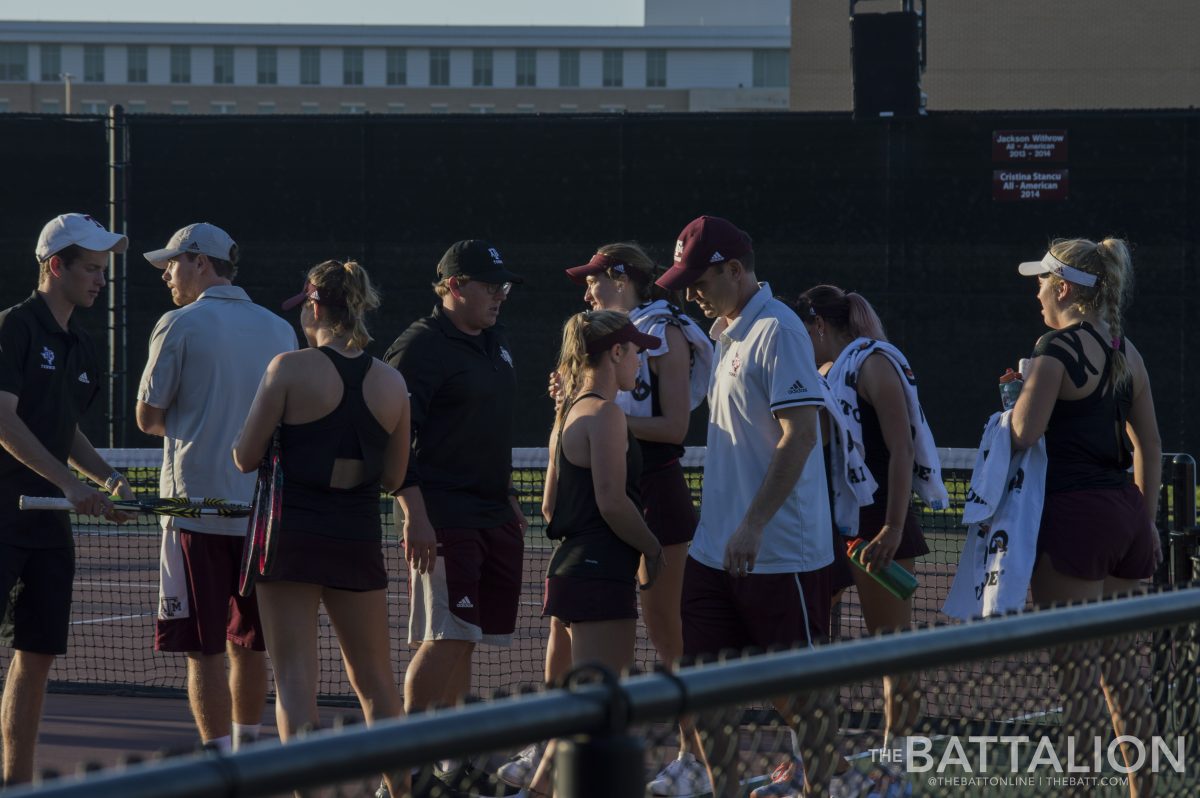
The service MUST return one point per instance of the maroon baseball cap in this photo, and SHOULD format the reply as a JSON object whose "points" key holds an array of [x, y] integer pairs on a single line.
{"points": [[706, 241], [622, 334], [599, 263]]}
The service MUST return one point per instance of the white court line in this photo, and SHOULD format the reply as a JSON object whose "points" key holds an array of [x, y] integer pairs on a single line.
{"points": [[111, 618]]}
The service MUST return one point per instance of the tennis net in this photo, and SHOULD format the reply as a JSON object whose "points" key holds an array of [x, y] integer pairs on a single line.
{"points": [[115, 600]]}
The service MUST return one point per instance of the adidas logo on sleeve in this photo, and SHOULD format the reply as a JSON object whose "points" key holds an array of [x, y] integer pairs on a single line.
{"points": [[797, 387]]}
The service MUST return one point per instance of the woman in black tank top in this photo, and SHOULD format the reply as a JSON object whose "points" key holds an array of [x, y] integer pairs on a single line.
{"points": [[1088, 393], [835, 319], [591, 499], [343, 422]]}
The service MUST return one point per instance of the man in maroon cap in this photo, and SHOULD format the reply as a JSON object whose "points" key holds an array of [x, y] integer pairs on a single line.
{"points": [[764, 515]]}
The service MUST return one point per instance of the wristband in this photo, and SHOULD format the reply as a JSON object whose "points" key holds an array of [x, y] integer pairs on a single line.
{"points": [[114, 479]]}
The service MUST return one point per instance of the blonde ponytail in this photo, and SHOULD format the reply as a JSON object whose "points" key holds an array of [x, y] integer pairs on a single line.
{"points": [[1112, 266], [573, 360], [348, 296]]}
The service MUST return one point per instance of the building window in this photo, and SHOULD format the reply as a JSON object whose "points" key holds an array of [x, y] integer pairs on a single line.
{"points": [[93, 63], [3, 105], [656, 69], [51, 62], [354, 108], [181, 64], [397, 66], [266, 107], [310, 66], [770, 68], [439, 66], [50, 107], [136, 64], [14, 62], [223, 107], [352, 66], [223, 64], [267, 72], [97, 107], [482, 108], [179, 106], [612, 109], [395, 108], [526, 67], [526, 108], [568, 67], [310, 108], [614, 68], [569, 108], [481, 66], [136, 106], [439, 108]]}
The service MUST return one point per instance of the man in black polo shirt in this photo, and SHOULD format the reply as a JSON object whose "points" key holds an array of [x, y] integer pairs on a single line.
{"points": [[463, 527], [49, 375]]}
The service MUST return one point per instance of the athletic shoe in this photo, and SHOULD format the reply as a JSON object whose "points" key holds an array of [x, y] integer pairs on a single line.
{"points": [[683, 777], [518, 771], [787, 781]]}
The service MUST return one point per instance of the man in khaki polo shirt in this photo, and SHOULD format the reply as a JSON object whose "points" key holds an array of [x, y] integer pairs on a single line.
{"points": [[206, 360]]}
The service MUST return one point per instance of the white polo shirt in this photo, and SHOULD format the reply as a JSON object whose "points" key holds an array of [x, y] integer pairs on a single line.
{"points": [[206, 361], [764, 363]]}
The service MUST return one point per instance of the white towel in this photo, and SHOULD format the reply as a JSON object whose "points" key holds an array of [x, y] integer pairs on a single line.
{"points": [[851, 481], [1002, 514], [172, 583], [652, 318], [843, 383]]}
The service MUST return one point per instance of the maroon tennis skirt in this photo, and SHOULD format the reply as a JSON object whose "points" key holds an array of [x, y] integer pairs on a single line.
{"points": [[1091, 534], [870, 521], [328, 561], [667, 504]]}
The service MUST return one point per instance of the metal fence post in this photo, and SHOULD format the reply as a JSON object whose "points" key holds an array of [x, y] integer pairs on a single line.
{"points": [[118, 357], [610, 764], [1183, 512]]}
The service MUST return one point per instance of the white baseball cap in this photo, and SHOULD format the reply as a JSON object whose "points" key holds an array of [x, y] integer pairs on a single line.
{"points": [[201, 238], [77, 229]]}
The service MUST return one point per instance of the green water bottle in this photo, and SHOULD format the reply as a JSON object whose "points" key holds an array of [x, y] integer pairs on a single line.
{"points": [[895, 578]]}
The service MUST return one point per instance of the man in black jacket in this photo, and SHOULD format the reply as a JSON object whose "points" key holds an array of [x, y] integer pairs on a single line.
{"points": [[463, 526]]}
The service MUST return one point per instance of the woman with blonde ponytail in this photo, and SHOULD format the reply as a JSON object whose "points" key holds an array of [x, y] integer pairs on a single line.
{"points": [[1088, 393], [343, 423], [591, 502]]}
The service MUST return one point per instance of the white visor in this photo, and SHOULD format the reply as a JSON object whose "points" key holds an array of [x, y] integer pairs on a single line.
{"points": [[1052, 265]]}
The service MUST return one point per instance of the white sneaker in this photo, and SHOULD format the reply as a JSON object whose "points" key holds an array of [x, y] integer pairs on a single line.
{"points": [[519, 770], [681, 778]]}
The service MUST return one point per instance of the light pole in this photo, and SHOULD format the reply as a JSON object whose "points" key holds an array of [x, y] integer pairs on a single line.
{"points": [[66, 79]]}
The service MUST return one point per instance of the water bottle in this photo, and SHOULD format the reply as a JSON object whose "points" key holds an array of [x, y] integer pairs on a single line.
{"points": [[895, 578], [1010, 388]]}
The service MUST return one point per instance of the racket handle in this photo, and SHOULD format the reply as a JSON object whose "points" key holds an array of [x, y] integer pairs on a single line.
{"points": [[44, 503]]}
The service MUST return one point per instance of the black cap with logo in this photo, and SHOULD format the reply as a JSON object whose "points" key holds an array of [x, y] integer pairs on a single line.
{"points": [[478, 260]]}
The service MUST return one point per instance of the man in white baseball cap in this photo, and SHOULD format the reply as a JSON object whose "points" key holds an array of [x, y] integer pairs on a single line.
{"points": [[49, 376], [206, 359]]}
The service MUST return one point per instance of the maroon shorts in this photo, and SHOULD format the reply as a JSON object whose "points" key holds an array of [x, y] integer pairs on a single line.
{"points": [[667, 504], [474, 589], [870, 521], [328, 561], [1091, 534], [764, 610], [211, 567], [575, 599]]}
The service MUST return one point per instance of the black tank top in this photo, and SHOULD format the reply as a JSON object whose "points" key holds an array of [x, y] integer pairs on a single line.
{"points": [[657, 454], [1086, 442], [308, 452], [589, 546]]}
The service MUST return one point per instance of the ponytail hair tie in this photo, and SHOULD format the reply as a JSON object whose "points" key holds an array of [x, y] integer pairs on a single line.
{"points": [[1116, 343]]}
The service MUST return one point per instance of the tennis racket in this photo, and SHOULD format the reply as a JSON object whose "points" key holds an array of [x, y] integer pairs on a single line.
{"points": [[150, 505], [258, 548]]}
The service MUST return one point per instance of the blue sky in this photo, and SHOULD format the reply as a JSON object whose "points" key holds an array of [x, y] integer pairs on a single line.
{"points": [[356, 12]]}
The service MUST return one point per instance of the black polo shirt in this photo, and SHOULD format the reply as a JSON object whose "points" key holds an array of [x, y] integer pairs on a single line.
{"points": [[55, 375], [462, 389]]}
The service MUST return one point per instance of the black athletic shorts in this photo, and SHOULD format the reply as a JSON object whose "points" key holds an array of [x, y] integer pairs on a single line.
{"points": [[35, 595]]}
